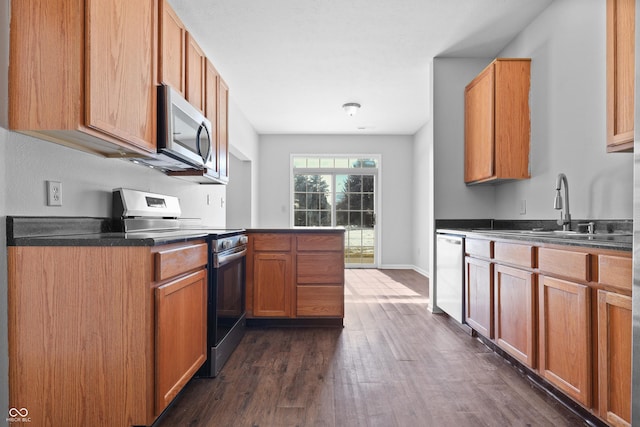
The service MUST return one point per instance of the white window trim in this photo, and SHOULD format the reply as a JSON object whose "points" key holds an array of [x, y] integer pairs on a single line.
{"points": [[378, 192]]}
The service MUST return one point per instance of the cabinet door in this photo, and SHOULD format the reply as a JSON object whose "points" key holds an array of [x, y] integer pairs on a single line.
{"points": [[211, 84], [479, 295], [120, 69], [223, 129], [195, 66], [181, 334], [614, 357], [620, 74], [479, 127], [172, 48], [272, 284], [565, 337], [514, 313]]}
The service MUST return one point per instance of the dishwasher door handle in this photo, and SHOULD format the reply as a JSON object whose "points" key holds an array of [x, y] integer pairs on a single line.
{"points": [[450, 240]]}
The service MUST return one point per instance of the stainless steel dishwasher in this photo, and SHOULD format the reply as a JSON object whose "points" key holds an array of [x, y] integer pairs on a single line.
{"points": [[450, 275]]}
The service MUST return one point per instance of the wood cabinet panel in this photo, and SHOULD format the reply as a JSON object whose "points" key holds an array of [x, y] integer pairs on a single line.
{"points": [[620, 74], [320, 267], [320, 301], [515, 315], [479, 247], [614, 357], [176, 260], [272, 284], [497, 124], [479, 295], [271, 242], [121, 85], [321, 242], [223, 129], [615, 271], [565, 337], [195, 70], [479, 127], [514, 253], [171, 61], [181, 334], [211, 83], [97, 61], [80, 342], [573, 265]]}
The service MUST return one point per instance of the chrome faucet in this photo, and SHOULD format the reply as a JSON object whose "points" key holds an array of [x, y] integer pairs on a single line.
{"points": [[564, 221]]}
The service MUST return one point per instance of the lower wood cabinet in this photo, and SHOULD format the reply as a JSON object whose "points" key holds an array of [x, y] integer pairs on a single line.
{"points": [[181, 334], [565, 337], [614, 357], [104, 336], [479, 295], [295, 274], [272, 284], [514, 295]]}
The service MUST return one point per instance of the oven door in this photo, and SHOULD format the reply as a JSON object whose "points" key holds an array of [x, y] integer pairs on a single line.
{"points": [[228, 286]]}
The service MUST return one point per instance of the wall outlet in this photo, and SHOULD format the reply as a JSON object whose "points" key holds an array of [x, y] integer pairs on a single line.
{"points": [[523, 207], [54, 193]]}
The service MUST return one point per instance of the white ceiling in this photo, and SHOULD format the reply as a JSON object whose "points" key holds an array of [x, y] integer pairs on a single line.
{"points": [[291, 64]]}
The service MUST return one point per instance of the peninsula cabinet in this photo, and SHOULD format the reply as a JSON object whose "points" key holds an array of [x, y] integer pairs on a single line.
{"points": [[295, 275], [497, 125], [82, 73], [173, 42], [620, 74], [104, 335]]}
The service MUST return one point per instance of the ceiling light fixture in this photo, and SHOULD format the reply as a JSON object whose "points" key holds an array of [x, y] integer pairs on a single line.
{"points": [[351, 108]]}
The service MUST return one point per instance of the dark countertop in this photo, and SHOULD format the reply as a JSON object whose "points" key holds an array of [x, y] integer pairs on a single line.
{"points": [[616, 235], [85, 231], [297, 230]]}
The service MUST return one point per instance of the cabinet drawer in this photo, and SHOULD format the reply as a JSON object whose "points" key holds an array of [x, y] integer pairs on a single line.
{"points": [[173, 260], [615, 271], [320, 242], [320, 301], [479, 247], [271, 242], [514, 253], [574, 265], [320, 267]]}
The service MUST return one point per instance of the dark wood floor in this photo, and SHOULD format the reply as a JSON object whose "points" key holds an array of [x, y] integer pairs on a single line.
{"points": [[393, 364]]}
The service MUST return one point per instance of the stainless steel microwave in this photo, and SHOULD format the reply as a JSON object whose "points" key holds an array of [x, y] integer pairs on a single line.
{"points": [[184, 133]]}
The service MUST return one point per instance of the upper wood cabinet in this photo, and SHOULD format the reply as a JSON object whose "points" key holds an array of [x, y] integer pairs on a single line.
{"points": [[173, 42], [83, 73], [620, 74], [223, 130], [497, 125], [195, 69]]}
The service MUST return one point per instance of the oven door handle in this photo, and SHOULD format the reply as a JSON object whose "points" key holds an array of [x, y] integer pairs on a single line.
{"points": [[219, 261]]}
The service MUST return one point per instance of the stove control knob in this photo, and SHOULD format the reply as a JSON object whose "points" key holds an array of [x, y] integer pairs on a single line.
{"points": [[226, 244], [244, 240]]}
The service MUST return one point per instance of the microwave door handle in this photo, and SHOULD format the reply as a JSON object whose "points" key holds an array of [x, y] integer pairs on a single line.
{"points": [[202, 126]]}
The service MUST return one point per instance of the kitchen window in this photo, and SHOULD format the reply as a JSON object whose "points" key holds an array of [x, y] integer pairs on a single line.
{"points": [[330, 191]]}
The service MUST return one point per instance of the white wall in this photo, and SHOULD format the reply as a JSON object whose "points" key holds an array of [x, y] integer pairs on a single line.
{"points": [[242, 206], [452, 198], [396, 183], [422, 189], [567, 47]]}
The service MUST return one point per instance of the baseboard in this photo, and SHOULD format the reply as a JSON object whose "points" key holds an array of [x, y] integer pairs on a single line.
{"points": [[404, 267]]}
